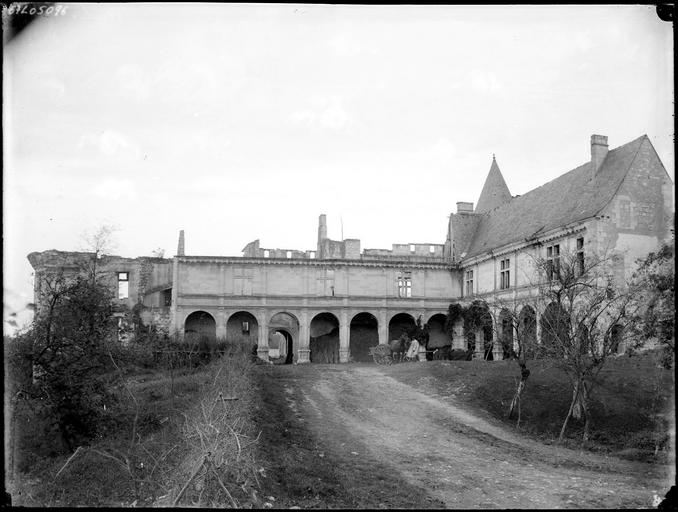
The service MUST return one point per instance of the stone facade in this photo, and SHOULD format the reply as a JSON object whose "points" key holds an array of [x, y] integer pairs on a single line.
{"points": [[334, 301]]}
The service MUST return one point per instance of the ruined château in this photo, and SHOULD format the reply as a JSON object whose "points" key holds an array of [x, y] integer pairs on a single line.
{"points": [[333, 302]]}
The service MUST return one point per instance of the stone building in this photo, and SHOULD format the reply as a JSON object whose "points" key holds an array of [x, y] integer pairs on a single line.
{"points": [[332, 302]]}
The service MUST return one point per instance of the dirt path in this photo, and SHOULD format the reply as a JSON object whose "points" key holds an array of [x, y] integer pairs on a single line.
{"points": [[350, 436]]}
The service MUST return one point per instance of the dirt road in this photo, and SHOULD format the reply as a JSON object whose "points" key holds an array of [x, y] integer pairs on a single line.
{"points": [[351, 436]]}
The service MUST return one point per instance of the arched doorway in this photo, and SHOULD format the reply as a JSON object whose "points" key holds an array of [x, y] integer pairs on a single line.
{"points": [[527, 332], [283, 333], [280, 348], [555, 326], [363, 334], [506, 338], [242, 328], [400, 324], [324, 342], [438, 338], [200, 325]]}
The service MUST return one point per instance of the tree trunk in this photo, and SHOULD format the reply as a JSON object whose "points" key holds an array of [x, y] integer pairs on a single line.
{"points": [[524, 374], [584, 400], [575, 395]]}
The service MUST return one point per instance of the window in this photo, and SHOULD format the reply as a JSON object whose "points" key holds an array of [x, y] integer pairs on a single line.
{"points": [[505, 274], [267, 253], [405, 285], [553, 262], [431, 249], [580, 256], [167, 297], [311, 255], [412, 247], [123, 285], [469, 282], [245, 327], [289, 254]]}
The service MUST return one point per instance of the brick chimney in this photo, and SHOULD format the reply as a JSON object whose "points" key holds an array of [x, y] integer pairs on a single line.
{"points": [[598, 151], [180, 247], [464, 207]]}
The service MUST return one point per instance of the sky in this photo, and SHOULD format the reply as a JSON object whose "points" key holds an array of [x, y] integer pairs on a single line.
{"points": [[243, 122]]}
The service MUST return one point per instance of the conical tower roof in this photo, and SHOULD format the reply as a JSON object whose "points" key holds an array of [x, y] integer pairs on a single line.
{"points": [[495, 192]]}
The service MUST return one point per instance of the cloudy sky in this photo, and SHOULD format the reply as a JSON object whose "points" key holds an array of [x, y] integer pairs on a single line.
{"points": [[238, 122]]}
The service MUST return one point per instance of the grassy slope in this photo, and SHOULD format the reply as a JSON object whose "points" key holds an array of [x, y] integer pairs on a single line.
{"points": [[632, 401]]}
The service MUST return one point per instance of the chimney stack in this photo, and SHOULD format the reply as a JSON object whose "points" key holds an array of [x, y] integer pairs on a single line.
{"points": [[322, 234], [598, 151], [464, 207], [180, 247]]}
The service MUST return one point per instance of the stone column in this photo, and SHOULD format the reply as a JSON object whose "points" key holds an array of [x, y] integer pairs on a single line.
{"points": [[479, 349], [221, 320], [344, 334], [304, 351], [497, 350], [262, 344], [383, 328], [458, 339]]}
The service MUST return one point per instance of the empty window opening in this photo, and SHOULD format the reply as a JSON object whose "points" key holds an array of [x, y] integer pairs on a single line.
{"points": [[405, 285], [431, 249], [580, 256], [267, 253], [289, 254], [412, 248], [553, 262], [123, 285], [167, 297]]}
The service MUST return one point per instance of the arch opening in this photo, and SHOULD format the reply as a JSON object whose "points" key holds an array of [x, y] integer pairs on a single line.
{"points": [[439, 340], [506, 337], [555, 326], [242, 328], [363, 334], [283, 336], [200, 326], [324, 342]]}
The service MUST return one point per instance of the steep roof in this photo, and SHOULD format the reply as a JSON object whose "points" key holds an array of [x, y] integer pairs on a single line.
{"points": [[574, 196], [495, 191]]}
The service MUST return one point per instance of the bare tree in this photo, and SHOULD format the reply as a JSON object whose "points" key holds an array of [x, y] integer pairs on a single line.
{"points": [[586, 316], [97, 243]]}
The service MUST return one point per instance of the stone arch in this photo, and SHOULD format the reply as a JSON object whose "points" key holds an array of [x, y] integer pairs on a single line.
{"points": [[527, 331], [438, 338], [506, 333], [555, 326], [363, 334], [242, 328], [399, 324], [324, 342], [283, 334], [200, 325]]}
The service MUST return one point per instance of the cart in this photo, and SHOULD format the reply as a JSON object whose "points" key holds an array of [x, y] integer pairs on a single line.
{"points": [[382, 354]]}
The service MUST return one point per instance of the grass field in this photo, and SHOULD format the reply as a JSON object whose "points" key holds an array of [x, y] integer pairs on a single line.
{"points": [[632, 401]]}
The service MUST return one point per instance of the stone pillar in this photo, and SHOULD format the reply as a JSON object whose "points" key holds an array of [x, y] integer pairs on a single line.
{"points": [[497, 350], [262, 344], [221, 320], [304, 351], [479, 349], [458, 338], [344, 334], [383, 328]]}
